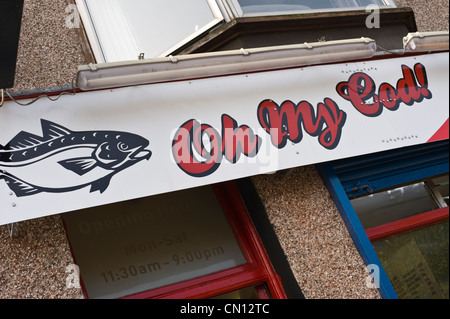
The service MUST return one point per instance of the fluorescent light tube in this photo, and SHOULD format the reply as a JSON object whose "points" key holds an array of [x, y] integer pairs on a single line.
{"points": [[426, 41], [183, 67]]}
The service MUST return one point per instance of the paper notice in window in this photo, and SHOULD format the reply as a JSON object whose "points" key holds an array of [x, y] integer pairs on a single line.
{"points": [[140, 245], [411, 275]]}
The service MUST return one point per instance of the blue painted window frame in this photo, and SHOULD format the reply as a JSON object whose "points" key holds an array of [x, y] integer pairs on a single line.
{"points": [[351, 177]]}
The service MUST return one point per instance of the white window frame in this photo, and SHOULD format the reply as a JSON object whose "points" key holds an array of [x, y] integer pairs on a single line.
{"points": [[231, 9], [124, 44], [121, 31], [218, 18]]}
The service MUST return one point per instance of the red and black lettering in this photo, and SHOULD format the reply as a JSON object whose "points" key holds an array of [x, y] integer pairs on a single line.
{"points": [[188, 145], [286, 122], [360, 89]]}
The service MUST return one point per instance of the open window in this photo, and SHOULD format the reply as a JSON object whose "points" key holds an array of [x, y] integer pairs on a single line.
{"points": [[196, 243], [120, 30]]}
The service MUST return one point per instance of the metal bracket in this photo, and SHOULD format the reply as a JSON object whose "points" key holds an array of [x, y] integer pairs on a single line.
{"points": [[13, 230], [244, 52], [2, 97], [92, 67], [172, 59], [359, 189]]}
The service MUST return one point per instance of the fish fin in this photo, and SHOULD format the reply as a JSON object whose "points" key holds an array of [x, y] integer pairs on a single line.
{"points": [[24, 140], [81, 165], [101, 185], [53, 130], [18, 186]]}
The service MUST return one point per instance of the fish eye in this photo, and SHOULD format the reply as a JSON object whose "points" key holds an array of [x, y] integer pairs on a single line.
{"points": [[122, 146]]}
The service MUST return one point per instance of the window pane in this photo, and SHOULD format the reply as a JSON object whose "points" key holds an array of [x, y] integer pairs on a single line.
{"points": [[251, 6], [244, 293], [417, 262], [440, 187], [394, 204], [158, 25], [152, 242], [154, 26]]}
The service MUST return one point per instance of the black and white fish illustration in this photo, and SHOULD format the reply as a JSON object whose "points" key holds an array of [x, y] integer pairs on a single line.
{"points": [[63, 160]]}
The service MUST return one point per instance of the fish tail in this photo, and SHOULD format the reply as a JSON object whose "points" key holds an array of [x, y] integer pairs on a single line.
{"points": [[18, 186], [22, 188]]}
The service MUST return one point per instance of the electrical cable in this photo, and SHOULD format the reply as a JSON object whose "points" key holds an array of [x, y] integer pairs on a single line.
{"points": [[38, 97], [74, 86], [396, 52]]}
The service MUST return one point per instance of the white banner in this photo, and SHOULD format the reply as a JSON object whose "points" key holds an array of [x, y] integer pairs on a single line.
{"points": [[101, 147]]}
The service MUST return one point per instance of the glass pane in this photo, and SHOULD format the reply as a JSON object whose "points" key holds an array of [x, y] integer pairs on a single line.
{"points": [[155, 26], [439, 185], [158, 25], [143, 244], [417, 262], [394, 204], [244, 293], [251, 6]]}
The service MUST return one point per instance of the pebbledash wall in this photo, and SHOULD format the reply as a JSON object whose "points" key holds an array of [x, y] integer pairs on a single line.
{"points": [[312, 234]]}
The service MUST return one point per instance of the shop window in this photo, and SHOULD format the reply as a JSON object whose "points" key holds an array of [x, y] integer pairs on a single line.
{"points": [[196, 243], [417, 261], [252, 292], [408, 228], [395, 205]]}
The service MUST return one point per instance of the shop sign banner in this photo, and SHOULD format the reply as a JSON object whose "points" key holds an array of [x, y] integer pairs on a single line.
{"points": [[107, 146]]}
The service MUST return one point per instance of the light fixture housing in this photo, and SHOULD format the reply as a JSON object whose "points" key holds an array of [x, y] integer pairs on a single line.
{"points": [[193, 66], [426, 41]]}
